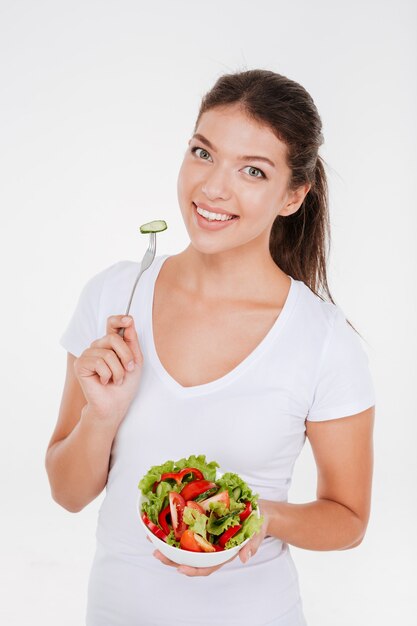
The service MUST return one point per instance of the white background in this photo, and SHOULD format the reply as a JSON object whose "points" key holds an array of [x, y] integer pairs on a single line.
{"points": [[98, 100]]}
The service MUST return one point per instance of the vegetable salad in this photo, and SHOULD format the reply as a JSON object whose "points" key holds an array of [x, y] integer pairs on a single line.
{"points": [[189, 507]]}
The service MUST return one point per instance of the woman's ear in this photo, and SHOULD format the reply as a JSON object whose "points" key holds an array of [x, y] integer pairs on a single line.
{"points": [[295, 199]]}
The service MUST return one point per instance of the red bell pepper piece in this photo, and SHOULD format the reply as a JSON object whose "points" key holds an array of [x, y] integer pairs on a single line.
{"points": [[246, 512], [197, 488], [178, 476], [154, 528], [228, 534], [162, 519]]}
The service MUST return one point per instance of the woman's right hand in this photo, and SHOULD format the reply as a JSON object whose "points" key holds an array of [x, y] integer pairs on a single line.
{"points": [[109, 370]]}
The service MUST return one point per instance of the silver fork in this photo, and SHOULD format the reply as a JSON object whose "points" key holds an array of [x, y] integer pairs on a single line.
{"points": [[148, 257]]}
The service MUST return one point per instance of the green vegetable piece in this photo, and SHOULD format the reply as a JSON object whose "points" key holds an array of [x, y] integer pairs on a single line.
{"points": [[154, 227], [251, 525], [196, 521], [171, 541], [231, 481], [206, 494], [217, 526]]}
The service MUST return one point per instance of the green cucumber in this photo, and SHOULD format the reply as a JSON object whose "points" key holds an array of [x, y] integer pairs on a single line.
{"points": [[236, 493], [154, 227], [206, 494]]}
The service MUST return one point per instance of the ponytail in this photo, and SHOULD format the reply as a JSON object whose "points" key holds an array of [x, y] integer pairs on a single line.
{"points": [[299, 242]]}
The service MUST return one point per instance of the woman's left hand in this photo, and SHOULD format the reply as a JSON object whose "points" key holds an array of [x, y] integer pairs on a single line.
{"points": [[245, 553]]}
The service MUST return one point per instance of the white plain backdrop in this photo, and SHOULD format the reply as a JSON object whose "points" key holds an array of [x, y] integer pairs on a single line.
{"points": [[98, 100]]}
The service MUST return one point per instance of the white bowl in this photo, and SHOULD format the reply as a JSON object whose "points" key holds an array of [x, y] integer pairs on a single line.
{"points": [[186, 557]]}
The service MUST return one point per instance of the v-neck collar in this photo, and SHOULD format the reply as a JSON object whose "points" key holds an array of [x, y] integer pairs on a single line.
{"points": [[213, 385]]}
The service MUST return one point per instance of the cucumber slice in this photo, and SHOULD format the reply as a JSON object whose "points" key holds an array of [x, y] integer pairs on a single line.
{"points": [[236, 493], [154, 227], [206, 494]]}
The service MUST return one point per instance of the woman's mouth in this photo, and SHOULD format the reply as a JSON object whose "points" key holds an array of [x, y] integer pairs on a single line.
{"points": [[212, 221]]}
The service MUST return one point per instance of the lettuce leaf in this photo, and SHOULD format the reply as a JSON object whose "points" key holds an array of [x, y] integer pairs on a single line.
{"points": [[172, 541], [155, 473], [231, 481], [159, 500], [251, 525], [217, 525], [196, 521], [200, 463]]}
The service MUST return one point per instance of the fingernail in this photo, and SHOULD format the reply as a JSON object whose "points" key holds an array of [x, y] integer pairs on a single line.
{"points": [[125, 320], [131, 366], [248, 556]]}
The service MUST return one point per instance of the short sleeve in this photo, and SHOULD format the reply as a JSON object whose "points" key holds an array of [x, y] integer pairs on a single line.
{"points": [[82, 328], [344, 385]]}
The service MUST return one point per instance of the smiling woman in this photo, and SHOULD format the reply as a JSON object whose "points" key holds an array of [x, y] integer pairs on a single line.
{"points": [[242, 355], [223, 182]]}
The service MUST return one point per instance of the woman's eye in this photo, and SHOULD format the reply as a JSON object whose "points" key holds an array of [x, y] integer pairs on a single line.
{"points": [[257, 172], [254, 172], [202, 153]]}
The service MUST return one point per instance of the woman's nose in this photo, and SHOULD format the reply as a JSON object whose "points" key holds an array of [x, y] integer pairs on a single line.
{"points": [[216, 185]]}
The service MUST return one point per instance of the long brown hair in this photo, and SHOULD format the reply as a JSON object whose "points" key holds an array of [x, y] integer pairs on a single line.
{"points": [[299, 243]]}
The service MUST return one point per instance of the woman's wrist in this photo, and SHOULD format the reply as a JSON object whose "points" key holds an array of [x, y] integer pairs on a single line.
{"points": [[270, 511], [96, 417]]}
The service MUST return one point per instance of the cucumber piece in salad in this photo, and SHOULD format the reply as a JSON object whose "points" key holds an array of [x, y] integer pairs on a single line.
{"points": [[156, 226]]}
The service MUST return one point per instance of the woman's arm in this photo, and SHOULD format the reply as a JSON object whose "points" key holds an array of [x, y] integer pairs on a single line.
{"points": [[78, 454], [343, 451], [99, 388]]}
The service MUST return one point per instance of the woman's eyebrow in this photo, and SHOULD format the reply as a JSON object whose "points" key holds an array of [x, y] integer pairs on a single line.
{"points": [[242, 158]]}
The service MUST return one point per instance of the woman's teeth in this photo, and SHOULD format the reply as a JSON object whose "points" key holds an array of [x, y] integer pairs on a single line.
{"points": [[214, 216]]}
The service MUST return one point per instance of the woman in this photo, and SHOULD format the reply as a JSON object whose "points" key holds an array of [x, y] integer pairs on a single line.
{"points": [[230, 351]]}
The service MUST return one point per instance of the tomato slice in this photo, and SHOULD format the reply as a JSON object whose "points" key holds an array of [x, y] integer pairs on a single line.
{"points": [[219, 497], [206, 546], [188, 542], [196, 488], [177, 506], [194, 505]]}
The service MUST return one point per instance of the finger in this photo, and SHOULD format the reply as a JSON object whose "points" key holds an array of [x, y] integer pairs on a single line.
{"points": [[115, 343], [90, 366], [199, 571], [251, 548], [116, 322], [131, 340], [161, 557], [112, 361], [202, 571], [245, 554]]}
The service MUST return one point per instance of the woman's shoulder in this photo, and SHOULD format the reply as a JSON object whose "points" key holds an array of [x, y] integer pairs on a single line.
{"points": [[315, 310], [110, 280]]}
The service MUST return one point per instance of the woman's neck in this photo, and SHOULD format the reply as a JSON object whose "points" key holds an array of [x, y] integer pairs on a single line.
{"points": [[231, 275]]}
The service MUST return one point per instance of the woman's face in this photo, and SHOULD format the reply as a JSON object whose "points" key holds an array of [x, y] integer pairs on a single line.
{"points": [[233, 166]]}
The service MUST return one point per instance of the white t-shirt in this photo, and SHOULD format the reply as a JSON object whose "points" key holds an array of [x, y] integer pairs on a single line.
{"points": [[310, 365]]}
